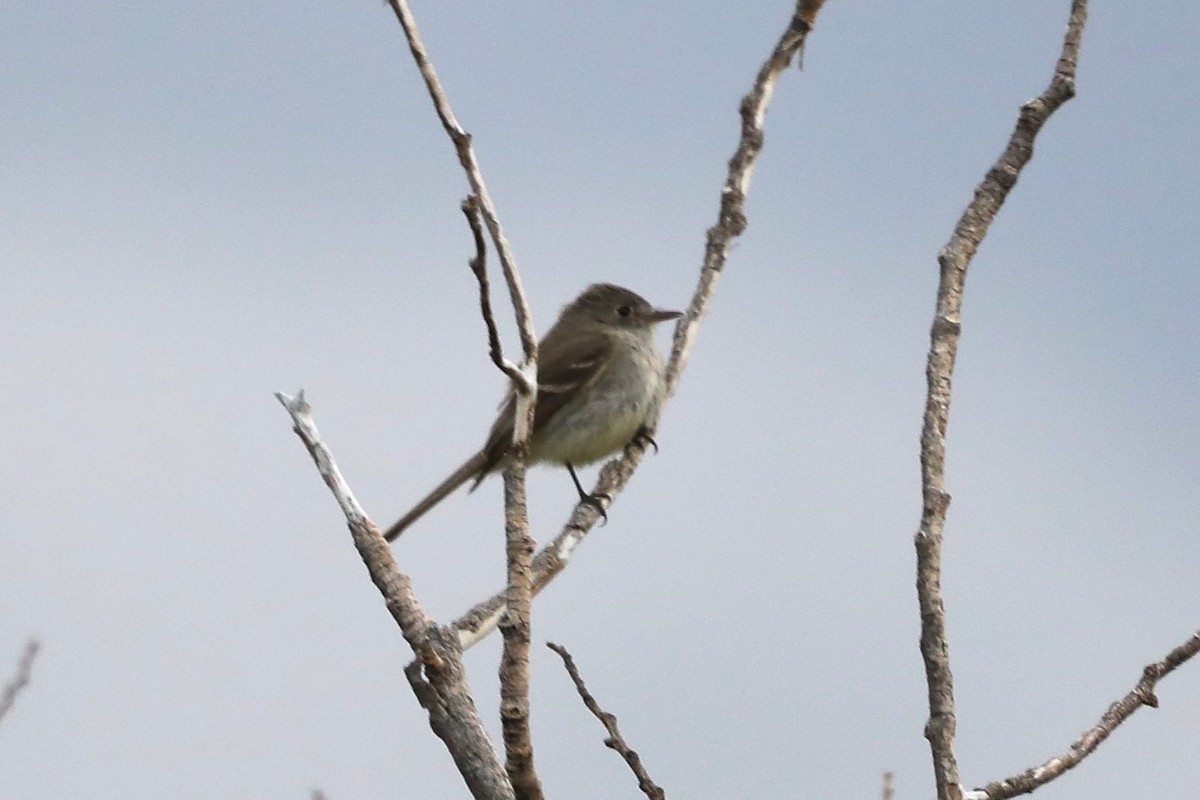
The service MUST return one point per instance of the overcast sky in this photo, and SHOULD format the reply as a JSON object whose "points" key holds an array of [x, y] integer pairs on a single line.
{"points": [[203, 203]]}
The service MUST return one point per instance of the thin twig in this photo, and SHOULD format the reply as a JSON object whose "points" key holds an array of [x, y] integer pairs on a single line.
{"points": [[478, 264], [731, 218], [953, 262], [889, 785], [614, 740], [731, 221], [20, 678], [1141, 695], [437, 675]]}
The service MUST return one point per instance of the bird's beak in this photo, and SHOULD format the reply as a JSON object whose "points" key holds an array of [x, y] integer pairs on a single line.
{"points": [[659, 315]]}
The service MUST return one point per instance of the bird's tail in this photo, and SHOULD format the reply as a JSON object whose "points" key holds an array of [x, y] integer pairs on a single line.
{"points": [[475, 467]]}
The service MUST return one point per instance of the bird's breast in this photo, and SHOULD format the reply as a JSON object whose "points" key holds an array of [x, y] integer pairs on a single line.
{"points": [[605, 417]]}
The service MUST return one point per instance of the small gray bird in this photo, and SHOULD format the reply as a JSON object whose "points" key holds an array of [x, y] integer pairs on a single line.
{"points": [[600, 382]]}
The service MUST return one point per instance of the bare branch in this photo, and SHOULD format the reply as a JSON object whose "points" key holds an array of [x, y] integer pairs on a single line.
{"points": [[515, 627], [478, 264], [519, 546], [446, 695], [1141, 695], [889, 785], [395, 586], [731, 221], [614, 740], [466, 157], [514, 662], [514, 673], [552, 559], [20, 678], [953, 262], [437, 675]]}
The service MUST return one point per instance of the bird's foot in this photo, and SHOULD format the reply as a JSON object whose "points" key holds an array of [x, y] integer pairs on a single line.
{"points": [[594, 500], [643, 438]]}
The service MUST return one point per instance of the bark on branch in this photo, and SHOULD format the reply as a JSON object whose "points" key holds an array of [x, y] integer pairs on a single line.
{"points": [[519, 545], [953, 261], [437, 675], [1141, 695]]}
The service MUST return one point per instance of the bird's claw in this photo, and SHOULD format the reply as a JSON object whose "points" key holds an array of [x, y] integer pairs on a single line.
{"points": [[593, 500], [643, 438]]}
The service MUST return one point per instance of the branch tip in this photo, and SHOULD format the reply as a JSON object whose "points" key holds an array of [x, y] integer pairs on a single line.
{"points": [[614, 740]]}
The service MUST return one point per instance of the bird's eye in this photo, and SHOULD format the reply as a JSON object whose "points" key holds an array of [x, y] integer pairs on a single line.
{"points": [[624, 311]]}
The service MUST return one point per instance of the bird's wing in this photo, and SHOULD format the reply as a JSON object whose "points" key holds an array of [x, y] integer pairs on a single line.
{"points": [[561, 374]]}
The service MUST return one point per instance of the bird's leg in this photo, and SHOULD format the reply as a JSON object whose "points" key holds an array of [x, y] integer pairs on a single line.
{"points": [[643, 438], [592, 500]]}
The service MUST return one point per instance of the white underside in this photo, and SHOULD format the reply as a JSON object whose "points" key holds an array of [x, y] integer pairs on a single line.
{"points": [[623, 399]]}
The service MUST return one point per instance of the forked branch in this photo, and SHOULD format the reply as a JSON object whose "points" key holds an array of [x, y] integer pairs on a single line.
{"points": [[519, 545], [466, 157]]}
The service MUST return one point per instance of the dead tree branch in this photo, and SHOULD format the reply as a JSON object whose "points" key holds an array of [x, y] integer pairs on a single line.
{"points": [[514, 662], [437, 674], [953, 261], [515, 628], [1141, 695], [478, 264], [514, 668], [614, 740], [466, 157]]}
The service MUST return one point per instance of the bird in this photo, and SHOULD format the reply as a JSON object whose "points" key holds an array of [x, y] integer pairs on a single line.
{"points": [[600, 384]]}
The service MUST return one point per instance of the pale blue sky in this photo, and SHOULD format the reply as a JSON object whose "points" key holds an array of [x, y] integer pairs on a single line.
{"points": [[204, 203]]}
